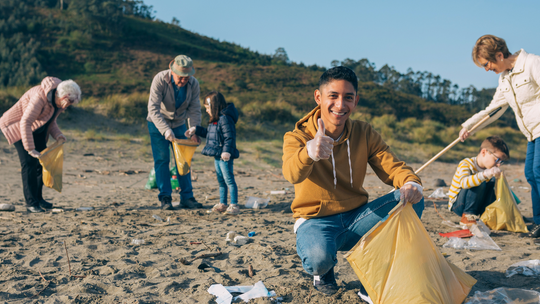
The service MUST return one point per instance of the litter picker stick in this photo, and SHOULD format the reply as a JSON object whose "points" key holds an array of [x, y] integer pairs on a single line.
{"points": [[457, 140]]}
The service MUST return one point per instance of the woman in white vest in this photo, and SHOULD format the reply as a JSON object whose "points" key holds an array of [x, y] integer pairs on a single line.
{"points": [[519, 88]]}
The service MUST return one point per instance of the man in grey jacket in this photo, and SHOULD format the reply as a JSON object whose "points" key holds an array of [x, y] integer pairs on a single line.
{"points": [[174, 97]]}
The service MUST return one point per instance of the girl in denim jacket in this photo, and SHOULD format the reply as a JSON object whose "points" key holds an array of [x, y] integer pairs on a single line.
{"points": [[221, 144]]}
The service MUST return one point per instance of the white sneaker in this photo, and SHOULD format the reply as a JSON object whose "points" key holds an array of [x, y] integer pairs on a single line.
{"points": [[365, 297]]}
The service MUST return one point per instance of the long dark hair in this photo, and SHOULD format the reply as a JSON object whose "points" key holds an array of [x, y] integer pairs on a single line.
{"points": [[217, 104]]}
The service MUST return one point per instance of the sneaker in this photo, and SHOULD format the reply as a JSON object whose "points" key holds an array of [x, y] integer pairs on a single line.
{"points": [[219, 207], [326, 283], [468, 219], [364, 295], [166, 203], [233, 209], [534, 232], [34, 209], [45, 205], [190, 203]]}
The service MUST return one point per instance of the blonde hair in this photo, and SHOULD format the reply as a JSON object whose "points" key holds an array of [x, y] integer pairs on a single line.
{"points": [[487, 47], [70, 89]]}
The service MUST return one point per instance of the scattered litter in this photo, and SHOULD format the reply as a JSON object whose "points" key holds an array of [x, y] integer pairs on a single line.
{"points": [[256, 202], [286, 189], [230, 236], [525, 188], [517, 180], [7, 207], [57, 210], [240, 240], [185, 261], [137, 241], [157, 218], [450, 224], [195, 243], [504, 295], [151, 183], [224, 295], [438, 194], [252, 234], [526, 268], [278, 192], [479, 228], [85, 208], [480, 240], [459, 234], [88, 154]]}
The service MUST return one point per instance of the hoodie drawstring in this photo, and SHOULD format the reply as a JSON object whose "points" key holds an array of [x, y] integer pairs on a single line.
{"points": [[350, 166]]}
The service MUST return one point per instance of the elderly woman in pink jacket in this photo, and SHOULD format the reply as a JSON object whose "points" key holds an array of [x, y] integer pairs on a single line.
{"points": [[519, 88], [28, 124]]}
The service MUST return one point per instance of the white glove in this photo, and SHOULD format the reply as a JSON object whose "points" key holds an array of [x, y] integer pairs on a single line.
{"points": [[61, 138], [492, 172], [463, 134], [225, 156], [321, 146], [411, 192], [169, 135], [34, 153], [190, 132]]}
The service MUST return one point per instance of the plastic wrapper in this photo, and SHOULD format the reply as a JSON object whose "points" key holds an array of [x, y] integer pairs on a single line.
{"points": [[480, 240], [399, 263], [183, 153], [503, 214], [52, 161], [505, 296], [256, 202], [526, 268], [151, 183], [438, 194]]}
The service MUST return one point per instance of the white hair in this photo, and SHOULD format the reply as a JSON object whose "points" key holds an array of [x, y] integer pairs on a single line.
{"points": [[70, 89]]}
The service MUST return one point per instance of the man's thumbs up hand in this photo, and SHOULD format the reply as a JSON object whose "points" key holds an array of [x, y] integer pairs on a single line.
{"points": [[321, 146]]}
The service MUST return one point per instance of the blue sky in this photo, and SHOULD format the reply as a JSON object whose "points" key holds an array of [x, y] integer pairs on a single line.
{"points": [[435, 36]]}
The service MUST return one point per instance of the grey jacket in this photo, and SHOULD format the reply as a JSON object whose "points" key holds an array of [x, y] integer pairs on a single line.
{"points": [[161, 104]]}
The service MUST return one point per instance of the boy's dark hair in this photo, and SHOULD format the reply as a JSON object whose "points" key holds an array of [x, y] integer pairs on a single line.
{"points": [[496, 143], [217, 104], [339, 73]]}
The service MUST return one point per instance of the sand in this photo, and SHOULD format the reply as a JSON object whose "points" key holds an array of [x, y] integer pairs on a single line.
{"points": [[110, 177]]}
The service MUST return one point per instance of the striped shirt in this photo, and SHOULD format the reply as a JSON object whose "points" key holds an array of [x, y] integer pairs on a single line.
{"points": [[468, 175]]}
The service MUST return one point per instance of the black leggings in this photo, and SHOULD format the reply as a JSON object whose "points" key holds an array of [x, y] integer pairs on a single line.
{"points": [[31, 170]]}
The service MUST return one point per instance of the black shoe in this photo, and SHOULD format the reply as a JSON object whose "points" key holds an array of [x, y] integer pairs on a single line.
{"points": [[327, 283], [166, 203], [528, 219], [190, 203], [34, 209], [534, 232], [45, 205]]}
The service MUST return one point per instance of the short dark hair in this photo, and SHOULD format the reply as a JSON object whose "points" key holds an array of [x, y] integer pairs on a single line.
{"points": [[339, 73], [496, 143], [217, 104]]}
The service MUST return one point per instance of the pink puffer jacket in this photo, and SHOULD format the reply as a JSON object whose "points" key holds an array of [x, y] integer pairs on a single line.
{"points": [[31, 112]]}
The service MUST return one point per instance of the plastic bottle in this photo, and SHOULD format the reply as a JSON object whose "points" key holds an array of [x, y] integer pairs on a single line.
{"points": [[174, 182]]}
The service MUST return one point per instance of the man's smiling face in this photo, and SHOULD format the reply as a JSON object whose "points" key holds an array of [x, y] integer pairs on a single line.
{"points": [[337, 99]]}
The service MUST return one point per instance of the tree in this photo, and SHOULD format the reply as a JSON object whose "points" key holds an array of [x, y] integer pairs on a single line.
{"points": [[281, 57]]}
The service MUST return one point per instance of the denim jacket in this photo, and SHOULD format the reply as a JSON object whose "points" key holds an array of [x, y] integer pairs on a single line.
{"points": [[221, 135]]}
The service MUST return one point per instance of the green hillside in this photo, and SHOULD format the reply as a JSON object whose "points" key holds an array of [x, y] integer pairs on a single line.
{"points": [[113, 48]]}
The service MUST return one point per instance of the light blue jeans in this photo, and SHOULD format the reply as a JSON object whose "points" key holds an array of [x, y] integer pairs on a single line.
{"points": [[225, 177], [319, 239], [532, 173], [161, 152]]}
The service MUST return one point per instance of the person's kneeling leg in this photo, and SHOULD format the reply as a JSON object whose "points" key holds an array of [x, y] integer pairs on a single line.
{"points": [[316, 247]]}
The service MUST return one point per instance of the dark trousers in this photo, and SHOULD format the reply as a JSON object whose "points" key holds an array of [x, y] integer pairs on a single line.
{"points": [[31, 170], [475, 200]]}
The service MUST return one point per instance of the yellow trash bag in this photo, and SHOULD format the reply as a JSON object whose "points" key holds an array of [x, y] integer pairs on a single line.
{"points": [[183, 153], [398, 263], [52, 161], [503, 214]]}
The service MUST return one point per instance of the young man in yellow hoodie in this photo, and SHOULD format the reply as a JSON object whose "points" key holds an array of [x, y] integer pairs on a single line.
{"points": [[326, 158]]}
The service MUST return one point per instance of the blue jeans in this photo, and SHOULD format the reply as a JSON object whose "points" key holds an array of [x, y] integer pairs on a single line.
{"points": [[161, 152], [532, 173], [475, 200], [225, 177], [319, 239]]}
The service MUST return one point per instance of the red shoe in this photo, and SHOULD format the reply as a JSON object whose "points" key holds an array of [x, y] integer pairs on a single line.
{"points": [[468, 219]]}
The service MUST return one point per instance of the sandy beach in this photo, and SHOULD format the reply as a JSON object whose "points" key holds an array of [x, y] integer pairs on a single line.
{"points": [[109, 176]]}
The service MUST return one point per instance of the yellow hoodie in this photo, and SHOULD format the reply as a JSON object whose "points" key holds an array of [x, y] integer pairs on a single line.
{"points": [[332, 186]]}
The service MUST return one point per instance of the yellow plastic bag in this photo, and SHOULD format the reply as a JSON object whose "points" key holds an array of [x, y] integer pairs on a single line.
{"points": [[398, 263], [52, 161], [503, 214], [183, 153]]}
